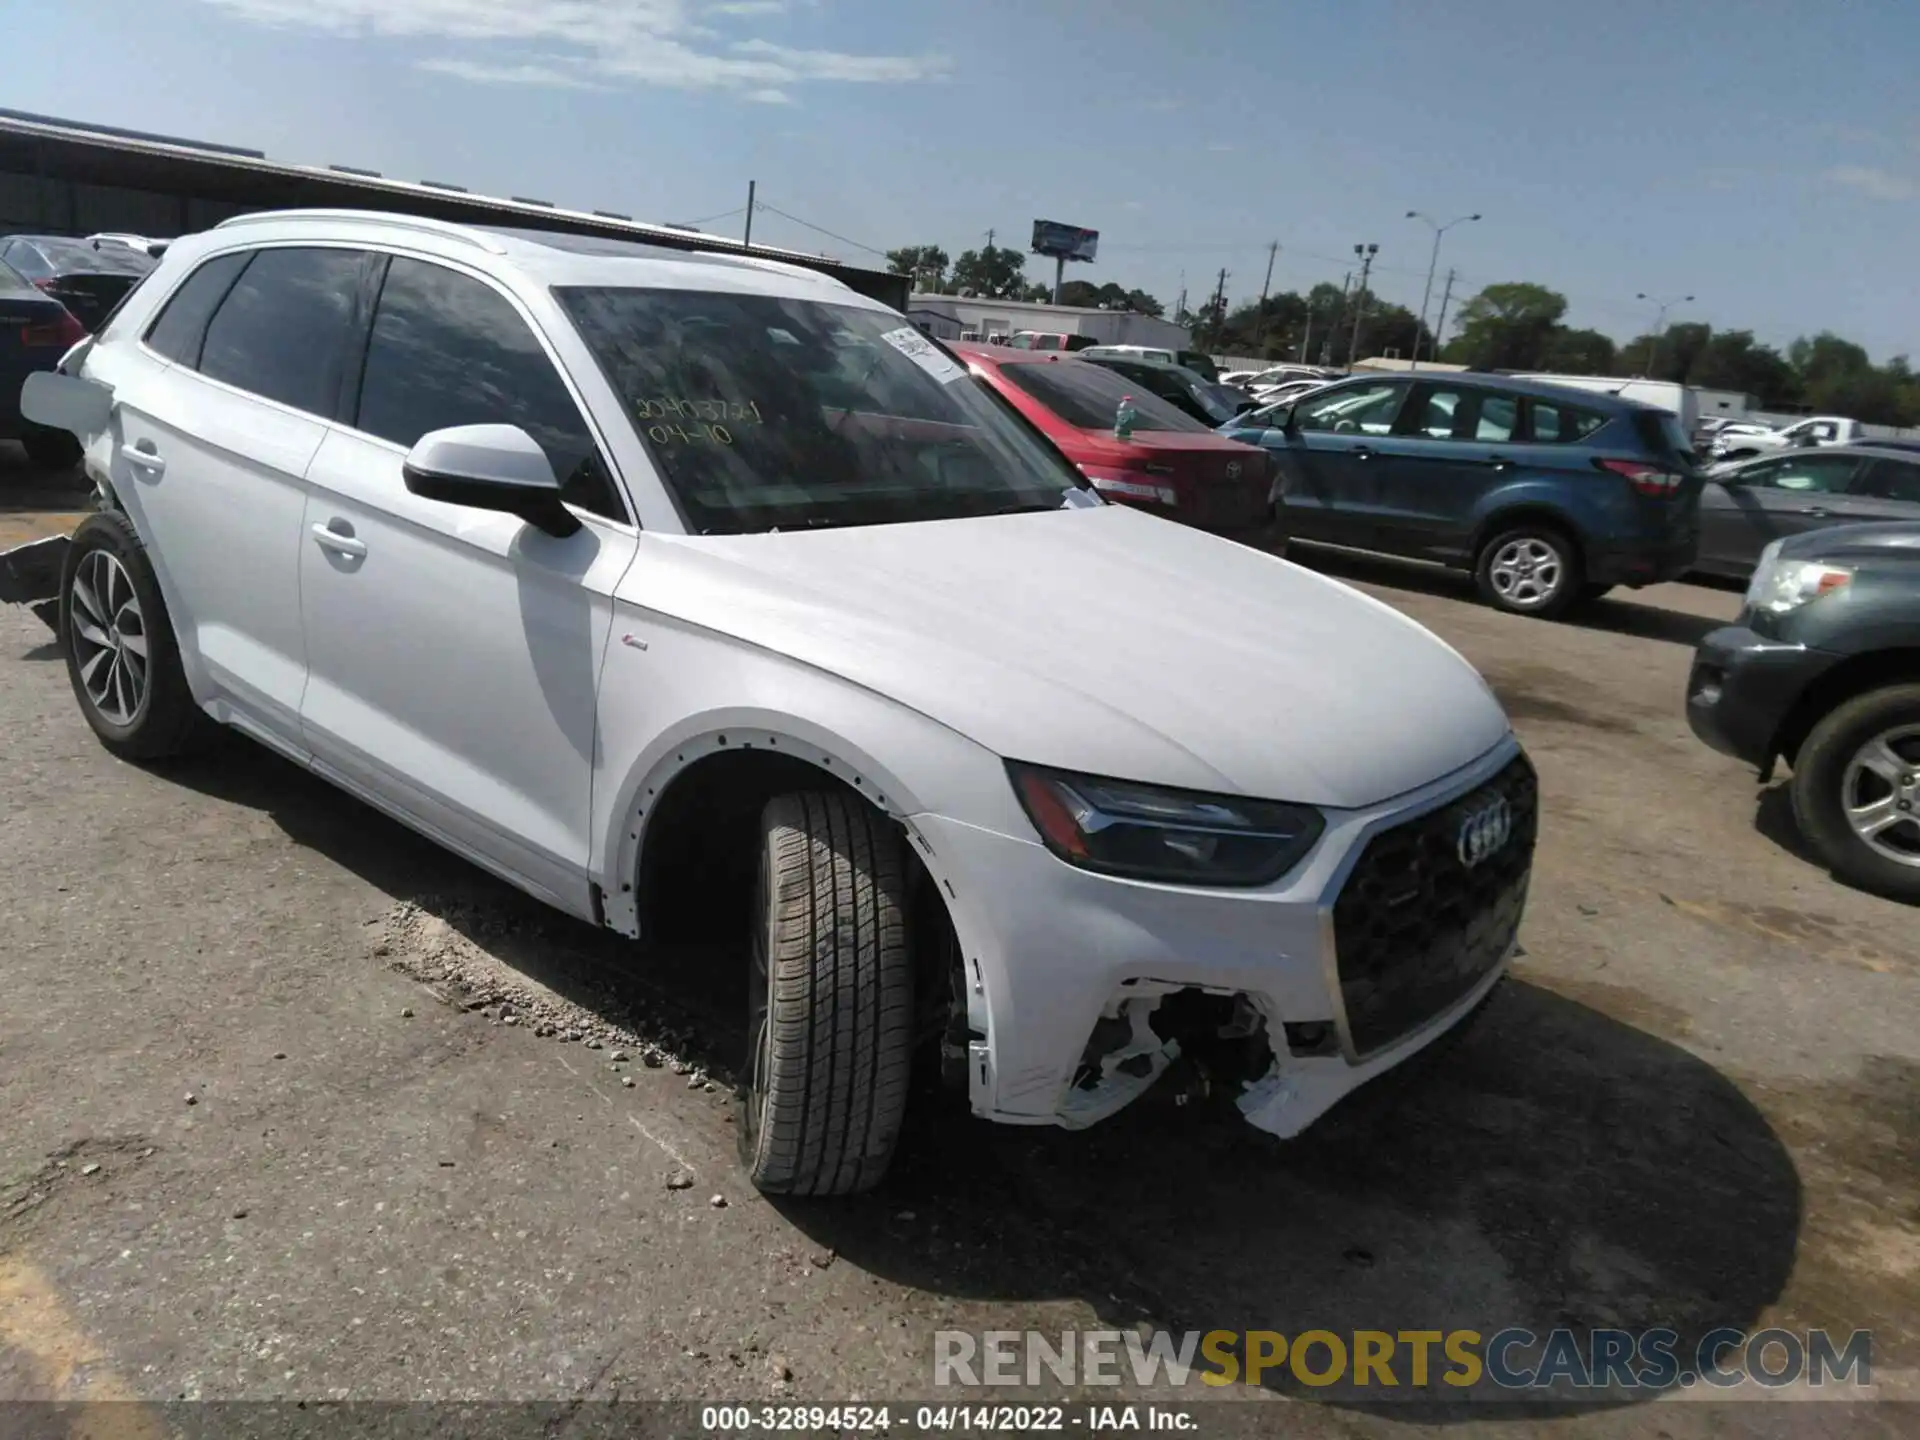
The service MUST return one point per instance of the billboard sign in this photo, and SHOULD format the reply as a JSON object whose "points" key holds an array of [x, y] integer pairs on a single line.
{"points": [[1064, 242]]}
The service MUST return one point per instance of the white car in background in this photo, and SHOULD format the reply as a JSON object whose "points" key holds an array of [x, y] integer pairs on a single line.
{"points": [[698, 595], [1740, 444]]}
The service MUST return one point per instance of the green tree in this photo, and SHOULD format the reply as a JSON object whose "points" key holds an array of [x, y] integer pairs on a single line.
{"points": [[1580, 352], [1508, 327], [993, 272], [1087, 296], [1734, 360], [927, 264]]}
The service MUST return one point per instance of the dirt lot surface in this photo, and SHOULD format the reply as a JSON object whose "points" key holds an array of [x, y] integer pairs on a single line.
{"points": [[282, 1120]]}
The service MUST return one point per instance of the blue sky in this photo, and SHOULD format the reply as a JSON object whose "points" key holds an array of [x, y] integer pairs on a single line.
{"points": [[1759, 154]]}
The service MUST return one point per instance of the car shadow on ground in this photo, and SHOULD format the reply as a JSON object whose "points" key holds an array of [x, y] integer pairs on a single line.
{"points": [[1547, 1167], [1615, 613]]}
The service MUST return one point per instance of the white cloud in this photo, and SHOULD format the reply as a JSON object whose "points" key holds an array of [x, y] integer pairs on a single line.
{"points": [[1875, 183], [548, 75], [657, 42]]}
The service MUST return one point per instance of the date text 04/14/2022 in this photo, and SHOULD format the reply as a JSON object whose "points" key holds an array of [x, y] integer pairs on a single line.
{"points": [[942, 1419]]}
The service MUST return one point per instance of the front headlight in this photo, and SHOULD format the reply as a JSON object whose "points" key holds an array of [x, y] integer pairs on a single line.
{"points": [[1781, 585], [1150, 833]]}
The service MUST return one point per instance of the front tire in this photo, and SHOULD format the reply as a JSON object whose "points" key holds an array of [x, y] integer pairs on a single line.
{"points": [[1530, 570], [122, 659], [1856, 791], [830, 999]]}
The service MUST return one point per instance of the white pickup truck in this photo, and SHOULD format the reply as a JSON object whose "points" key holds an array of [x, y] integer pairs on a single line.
{"points": [[1814, 430]]}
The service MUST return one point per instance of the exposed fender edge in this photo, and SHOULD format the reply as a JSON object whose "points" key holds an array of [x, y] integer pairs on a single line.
{"points": [[725, 730], [31, 572]]}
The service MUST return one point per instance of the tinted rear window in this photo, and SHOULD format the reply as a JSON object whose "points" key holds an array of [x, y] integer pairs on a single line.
{"points": [[281, 332], [1660, 431], [1089, 396], [183, 319], [1556, 423], [71, 256]]}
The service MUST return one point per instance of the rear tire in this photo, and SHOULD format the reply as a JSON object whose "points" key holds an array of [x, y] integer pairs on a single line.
{"points": [[1530, 569], [51, 449], [830, 999], [1840, 766], [122, 659]]}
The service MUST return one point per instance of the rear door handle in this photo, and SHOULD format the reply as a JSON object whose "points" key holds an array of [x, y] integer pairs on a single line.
{"points": [[143, 456], [1500, 462], [1818, 511], [338, 541], [1363, 452]]}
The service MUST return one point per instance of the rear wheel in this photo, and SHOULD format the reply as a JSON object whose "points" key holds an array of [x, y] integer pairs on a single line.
{"points": [[1531, 569], [1856, 791], [830, 998], [122, 659]]}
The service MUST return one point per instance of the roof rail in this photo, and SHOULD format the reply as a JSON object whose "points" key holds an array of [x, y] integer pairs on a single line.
{"points": [[465, 234]]}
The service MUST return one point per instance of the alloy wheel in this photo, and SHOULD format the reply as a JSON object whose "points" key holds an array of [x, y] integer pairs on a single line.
{"points": [[109, 637], [1526, 572], [1880, 794]]}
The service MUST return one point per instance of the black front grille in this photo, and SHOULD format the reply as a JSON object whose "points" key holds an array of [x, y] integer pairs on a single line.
{"points": [[1416, 927]]}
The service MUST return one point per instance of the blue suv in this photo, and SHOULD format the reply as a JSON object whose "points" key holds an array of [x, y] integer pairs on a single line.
{"points": [[1551, 496]]}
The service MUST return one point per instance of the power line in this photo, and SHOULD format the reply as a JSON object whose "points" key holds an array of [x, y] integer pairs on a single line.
{"points": [[819, 229], [723, 215]]}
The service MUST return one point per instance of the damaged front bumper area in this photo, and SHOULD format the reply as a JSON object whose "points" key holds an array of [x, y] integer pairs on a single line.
{"points": [[1088, 991]]}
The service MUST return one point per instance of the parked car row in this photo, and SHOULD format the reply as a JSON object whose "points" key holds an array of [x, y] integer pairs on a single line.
{"points": [[54, 290]]}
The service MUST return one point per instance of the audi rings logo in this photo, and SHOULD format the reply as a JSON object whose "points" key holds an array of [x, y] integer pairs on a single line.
{"points": [[1233, 469], [1484, 832]]}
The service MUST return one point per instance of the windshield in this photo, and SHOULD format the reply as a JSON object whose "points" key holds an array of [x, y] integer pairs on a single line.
{"points": [[1088, 396], [765, 412]]}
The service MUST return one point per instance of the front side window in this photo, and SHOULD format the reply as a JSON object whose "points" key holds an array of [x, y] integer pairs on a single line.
{"points": [[281, 332], [1823, 474], [447, 349], [1360, 410], [182, 323], [766, 412]]}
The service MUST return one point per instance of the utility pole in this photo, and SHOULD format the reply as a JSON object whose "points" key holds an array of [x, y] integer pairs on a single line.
{"points": [[1440, 325], [1260, 315], [1366, 254], [1219, 308], [747, 239], [1340, 314], [990, 239], [1180, 308]]}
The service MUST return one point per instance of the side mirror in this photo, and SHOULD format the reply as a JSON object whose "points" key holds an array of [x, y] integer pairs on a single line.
{"points": [[72, 403], [489, 467]]}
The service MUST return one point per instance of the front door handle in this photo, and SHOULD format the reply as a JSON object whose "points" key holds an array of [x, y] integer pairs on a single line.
{"points": [[1363, 452], [1499, 462], [142, 456], [339, 540], [1819, 512]]}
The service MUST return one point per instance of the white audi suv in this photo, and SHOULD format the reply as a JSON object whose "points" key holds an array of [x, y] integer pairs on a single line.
{"points": [[697, 594]]}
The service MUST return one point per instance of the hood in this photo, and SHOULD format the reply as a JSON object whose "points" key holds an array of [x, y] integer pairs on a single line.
{"points": [[1101, 640], [1882, 542]]}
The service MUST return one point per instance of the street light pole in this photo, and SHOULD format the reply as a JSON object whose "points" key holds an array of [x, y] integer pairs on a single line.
{"points": [[1433, 264], [1659, 322], [1366, 254]]}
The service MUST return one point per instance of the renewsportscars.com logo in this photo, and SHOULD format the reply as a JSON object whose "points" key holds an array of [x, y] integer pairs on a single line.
{"points": [[1387, 1360]]}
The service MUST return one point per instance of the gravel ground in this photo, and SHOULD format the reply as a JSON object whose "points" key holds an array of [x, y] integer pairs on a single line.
{"points": [[301, 1107]]}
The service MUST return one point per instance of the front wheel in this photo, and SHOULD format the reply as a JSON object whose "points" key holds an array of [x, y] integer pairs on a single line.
{"points": [[1530, 570], [1856, 791], [830, 998]]}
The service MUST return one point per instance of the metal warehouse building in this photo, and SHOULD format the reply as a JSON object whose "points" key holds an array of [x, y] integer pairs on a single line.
{"points": [[64, 177]]}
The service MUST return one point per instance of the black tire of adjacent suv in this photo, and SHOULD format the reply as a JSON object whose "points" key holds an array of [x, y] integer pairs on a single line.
{"points": [[51, 449], [165, 721], [1819, 801], [830, 998], [1568, 587]]}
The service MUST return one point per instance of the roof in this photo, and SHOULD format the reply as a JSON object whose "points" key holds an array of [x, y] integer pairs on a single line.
{"points": [[1537, 389], [1393, 363], [555, 258], [51, 149]]}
